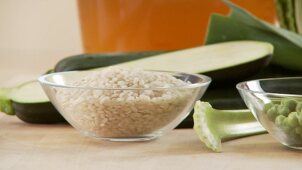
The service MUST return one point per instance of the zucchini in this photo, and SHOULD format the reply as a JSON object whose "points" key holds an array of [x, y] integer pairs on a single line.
{"points": [[222, 62], [30, 104], [247, 56], [90, 61], [29, 92]]}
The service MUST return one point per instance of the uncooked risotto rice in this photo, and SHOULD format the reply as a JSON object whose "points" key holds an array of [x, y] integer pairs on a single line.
{"points": [[126, 112]]}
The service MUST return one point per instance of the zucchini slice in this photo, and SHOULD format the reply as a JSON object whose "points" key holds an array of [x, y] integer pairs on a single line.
{"points": [[30, 104], [42, 113], [29, 92], [90, 61], [222, 61]]}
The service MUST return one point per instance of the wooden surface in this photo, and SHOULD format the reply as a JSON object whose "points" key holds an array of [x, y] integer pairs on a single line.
{"points": [[27, 146], [29, 50]]}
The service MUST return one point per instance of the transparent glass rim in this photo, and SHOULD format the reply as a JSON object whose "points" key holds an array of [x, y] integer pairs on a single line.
{"points": [[206, 80], [241, 84]]}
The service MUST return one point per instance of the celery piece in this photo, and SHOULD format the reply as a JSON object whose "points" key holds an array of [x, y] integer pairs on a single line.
{"points": [[5, 101], [215, 126]]}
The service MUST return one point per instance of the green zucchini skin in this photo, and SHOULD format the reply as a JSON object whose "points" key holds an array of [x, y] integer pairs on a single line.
{"points": [[46, 113], [90, 61], [217, 98], [238, 72], [40, 113]]}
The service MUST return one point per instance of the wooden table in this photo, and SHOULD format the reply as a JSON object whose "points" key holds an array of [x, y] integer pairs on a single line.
{"points": [[46, 36], [28, 146]]}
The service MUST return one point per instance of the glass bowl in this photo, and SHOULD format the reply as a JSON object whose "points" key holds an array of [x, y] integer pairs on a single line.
{"points": [[277, 105], [129, 119]]}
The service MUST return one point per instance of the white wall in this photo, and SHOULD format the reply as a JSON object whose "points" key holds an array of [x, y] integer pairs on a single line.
{"points": [[34, 35]]}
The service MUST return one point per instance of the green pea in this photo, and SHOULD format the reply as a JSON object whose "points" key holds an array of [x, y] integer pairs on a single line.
{"points": [[293, 120], [283, 110], [289, 103], [285, 126], [298, 130], [267, 106], [279, 120], [272, 113], [299, 107], [299, 117], [276, 101]]}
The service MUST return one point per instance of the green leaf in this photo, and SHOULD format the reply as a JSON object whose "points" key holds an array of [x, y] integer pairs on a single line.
{"points": [[245, 17], [222, 28]]}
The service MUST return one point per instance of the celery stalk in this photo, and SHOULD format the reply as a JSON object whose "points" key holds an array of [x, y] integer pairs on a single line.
{"points": [[215, 126], [5, 101]]}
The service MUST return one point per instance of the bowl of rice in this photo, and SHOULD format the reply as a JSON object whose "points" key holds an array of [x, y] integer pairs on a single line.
{"points": [[121, 104]]}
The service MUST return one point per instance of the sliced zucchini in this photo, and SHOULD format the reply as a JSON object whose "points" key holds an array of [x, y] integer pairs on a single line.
{"points": [[44, 113], [29, 92], [222, 61], [90, 61], [30, 104], [225, 60]]}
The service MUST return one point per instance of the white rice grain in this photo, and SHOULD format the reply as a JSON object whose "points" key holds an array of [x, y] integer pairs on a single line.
{"points": [[124, 113]]}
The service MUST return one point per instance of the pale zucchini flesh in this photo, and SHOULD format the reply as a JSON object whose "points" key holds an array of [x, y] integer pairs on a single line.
{"points": [[205, 59], [30, 92]]}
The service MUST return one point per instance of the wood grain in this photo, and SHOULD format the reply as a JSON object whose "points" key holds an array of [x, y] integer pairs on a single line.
{"points": [[28, 146]]}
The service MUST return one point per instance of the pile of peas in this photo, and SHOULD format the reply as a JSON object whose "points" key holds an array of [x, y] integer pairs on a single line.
{"points": [[287, 115]]}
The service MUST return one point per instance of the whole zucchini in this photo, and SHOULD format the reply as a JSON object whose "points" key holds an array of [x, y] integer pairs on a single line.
{"points": [[29, 102], [90, 61]]}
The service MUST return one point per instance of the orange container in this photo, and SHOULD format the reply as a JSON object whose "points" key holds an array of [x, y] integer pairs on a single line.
{"points": [[139, 25]]}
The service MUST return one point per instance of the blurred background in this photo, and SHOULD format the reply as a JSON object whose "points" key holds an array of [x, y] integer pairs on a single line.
{"points": [[36, 34]]}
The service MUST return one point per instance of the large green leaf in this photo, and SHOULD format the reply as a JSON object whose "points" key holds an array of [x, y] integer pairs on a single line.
{"points": [[245, 17], [286, 54]]}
